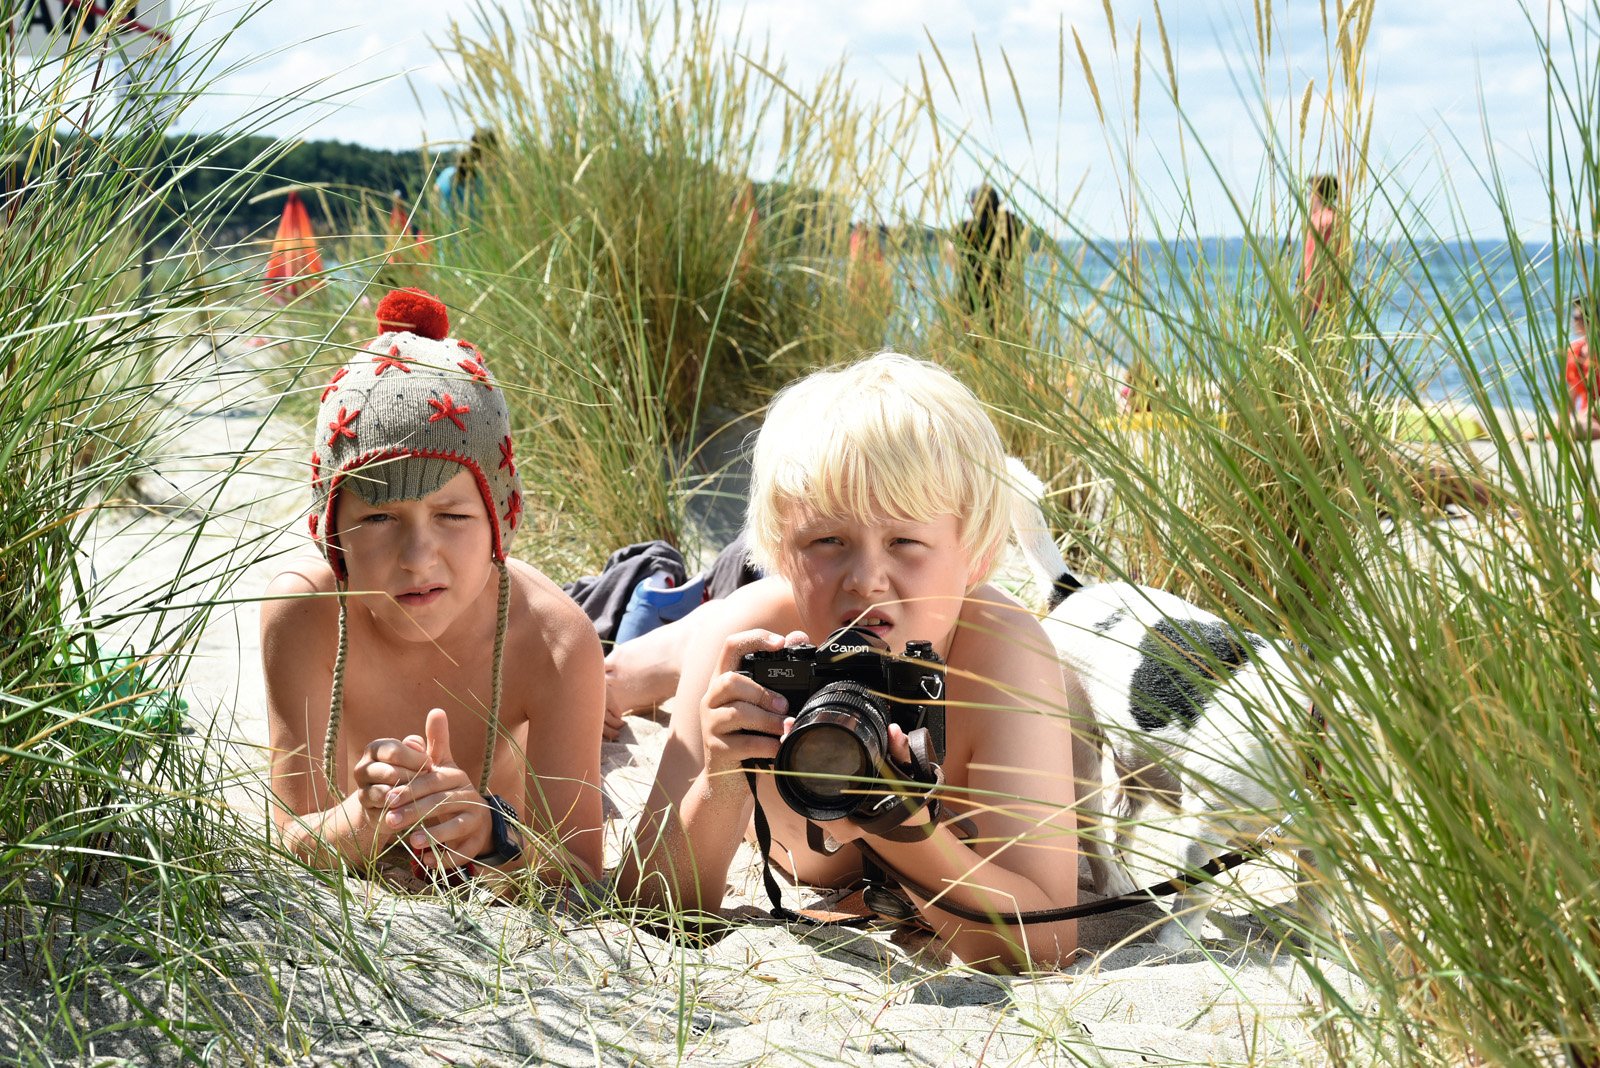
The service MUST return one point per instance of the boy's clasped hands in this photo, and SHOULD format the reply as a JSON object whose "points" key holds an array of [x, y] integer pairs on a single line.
{"points": [[411, 788]]}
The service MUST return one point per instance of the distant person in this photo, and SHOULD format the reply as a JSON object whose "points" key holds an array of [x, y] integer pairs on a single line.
{"points": [[746, 216], [986, 244], [428, 697], [1581, 382], [867, 274], [1320, 263], [458, 183]]}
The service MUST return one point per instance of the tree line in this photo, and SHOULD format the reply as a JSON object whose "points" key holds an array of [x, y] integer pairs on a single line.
{"points": [[341, 183]]}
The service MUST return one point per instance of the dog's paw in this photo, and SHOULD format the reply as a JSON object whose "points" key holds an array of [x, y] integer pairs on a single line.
{"points": [[1173, 937], [1115, 881]]}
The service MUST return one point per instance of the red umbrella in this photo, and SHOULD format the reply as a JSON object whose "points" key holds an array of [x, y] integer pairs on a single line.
{"points": [[295, 259]]}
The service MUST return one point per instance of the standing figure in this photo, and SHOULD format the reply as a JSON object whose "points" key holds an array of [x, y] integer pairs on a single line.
{"points": [[1581, 382], [458, 183], [867, 274], [746, 219], [986, 244], [1320, 262]]}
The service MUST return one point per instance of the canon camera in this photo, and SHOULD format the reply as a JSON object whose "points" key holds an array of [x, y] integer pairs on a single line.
{"points": [[844, 695]]}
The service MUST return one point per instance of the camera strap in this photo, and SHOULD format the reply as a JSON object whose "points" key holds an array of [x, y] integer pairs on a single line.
{"points": [[887, 817], [896, 810], [764, 844]]}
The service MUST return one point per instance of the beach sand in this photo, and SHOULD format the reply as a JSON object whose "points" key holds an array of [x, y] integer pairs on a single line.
{"points": [[479, 983]]}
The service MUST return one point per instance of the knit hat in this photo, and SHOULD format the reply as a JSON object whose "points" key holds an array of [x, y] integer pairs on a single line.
{"points": [[397, 420], [396, 423]]}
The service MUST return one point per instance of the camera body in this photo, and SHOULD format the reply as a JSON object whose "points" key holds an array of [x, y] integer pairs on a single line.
{"points": [[844, 695]]}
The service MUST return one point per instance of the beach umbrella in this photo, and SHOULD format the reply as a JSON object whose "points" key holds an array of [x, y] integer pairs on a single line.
{"points": [[294, 259]]}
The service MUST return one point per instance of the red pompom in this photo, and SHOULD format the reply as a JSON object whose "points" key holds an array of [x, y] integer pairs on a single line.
{"points": [[413, 310]]}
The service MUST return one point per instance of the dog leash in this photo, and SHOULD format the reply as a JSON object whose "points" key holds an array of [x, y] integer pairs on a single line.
{"points": [[1182, 881], [1143, 896]]}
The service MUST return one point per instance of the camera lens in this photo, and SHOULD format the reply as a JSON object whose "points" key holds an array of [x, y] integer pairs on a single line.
{"points": [[833, 753], [831, 757]]}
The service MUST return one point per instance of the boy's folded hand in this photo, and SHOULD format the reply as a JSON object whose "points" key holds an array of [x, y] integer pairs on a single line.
{"points": [[386, 765], [449, 822], [740, 719]]}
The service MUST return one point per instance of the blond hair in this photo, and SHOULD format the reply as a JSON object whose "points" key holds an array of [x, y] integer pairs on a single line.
{"points": [[886, 437]]}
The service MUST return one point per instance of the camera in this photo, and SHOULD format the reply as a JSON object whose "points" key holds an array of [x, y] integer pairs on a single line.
{"points": [[843, 695]]}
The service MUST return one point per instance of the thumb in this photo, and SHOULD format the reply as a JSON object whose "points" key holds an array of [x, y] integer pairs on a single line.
{"points": [[438, 733]]}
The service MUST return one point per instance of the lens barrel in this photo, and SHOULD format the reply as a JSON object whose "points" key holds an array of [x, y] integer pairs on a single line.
{"points": [[834, 752]]}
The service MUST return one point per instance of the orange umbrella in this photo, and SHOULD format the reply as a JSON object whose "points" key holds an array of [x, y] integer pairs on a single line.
{"points": [[294, 258]]}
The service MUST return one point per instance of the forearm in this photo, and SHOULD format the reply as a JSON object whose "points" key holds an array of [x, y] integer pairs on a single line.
{"points": [[341, 833], [682, 853], [953, 872]]}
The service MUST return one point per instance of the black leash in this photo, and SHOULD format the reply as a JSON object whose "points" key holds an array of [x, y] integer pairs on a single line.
{"points": [[1178, 883], [1182, 881]]}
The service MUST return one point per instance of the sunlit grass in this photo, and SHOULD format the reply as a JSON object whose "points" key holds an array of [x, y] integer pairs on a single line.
{"points": [[611, 269]]}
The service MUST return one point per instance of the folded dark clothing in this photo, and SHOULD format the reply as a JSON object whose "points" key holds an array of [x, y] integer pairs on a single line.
{"points": [[730, 570], [604, 597]]}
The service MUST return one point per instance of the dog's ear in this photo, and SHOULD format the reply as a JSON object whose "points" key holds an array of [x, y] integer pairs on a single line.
{"points": [[1065, 585]]}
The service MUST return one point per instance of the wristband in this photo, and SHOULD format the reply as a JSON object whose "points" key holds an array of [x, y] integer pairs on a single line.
{"points": [[505, 841]]}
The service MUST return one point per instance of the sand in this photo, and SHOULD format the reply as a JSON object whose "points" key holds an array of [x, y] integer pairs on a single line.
{"points": [[479, 983]]}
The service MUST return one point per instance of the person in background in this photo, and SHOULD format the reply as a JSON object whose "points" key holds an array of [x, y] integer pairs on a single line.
{"points": [[1319, 266], [745, 216], [1581, 382], [986, 244], [867, 274], [457, 183]]}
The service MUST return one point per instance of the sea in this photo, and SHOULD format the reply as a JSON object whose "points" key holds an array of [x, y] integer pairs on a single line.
{"points": [[1469, 322]]}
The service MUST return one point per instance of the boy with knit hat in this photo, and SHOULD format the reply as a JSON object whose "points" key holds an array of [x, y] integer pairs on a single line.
{"points": [[429, 699]]}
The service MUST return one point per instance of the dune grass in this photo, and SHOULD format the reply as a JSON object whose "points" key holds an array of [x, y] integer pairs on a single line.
{"points": [[1450, 659], [117, 849], [631, 285]]}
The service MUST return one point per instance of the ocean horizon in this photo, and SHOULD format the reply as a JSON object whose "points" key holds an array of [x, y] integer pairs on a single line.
{"points": [[1453, 313]]}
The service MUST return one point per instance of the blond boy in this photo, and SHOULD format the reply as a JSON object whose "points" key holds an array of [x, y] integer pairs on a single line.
{"points": [[428, 698], [878, 500]]}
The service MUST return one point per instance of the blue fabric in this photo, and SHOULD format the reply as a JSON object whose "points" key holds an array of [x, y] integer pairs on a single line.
{"points": [[655, 602], [606, 597], [445, 184]]}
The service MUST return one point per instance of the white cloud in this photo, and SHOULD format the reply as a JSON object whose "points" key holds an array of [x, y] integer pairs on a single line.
{"points": [[1426, 64]]}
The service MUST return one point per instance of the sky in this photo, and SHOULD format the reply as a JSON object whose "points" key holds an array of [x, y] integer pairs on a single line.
{"points": [[1453, 84]]}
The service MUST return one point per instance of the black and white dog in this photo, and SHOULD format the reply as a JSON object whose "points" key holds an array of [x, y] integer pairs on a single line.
{"points": [[1188, 720]]}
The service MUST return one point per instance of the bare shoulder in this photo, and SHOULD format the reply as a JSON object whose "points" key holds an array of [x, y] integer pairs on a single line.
{"points": [[299, 603], [545, 625], [1009, 710], [999, 639], [306, 574]]}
